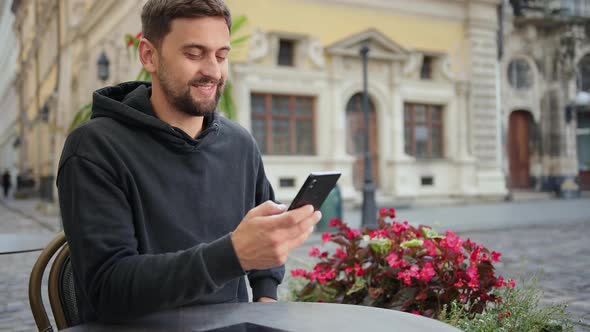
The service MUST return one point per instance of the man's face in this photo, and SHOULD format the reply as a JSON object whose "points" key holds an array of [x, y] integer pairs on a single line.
{"points": [[192, 66]]}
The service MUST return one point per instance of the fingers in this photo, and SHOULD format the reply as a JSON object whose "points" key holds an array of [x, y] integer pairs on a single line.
{"points": [[305, 231], [267, 208], [291, 218]]}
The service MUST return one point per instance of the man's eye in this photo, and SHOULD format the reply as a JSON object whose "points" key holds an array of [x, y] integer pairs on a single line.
{"points": [[193, 56], [221, 58]]}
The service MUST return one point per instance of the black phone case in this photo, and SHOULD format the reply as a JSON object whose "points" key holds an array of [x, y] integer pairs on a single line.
{"points": [[316, 188]]}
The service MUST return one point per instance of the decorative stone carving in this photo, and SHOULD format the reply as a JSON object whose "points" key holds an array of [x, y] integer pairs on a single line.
{"points": [[315, 51], [259, 46], [446, 68], [413, 64]]}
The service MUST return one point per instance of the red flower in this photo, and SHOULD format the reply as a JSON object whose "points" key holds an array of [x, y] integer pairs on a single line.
{"points": [[496, 256], [511, 283], [298, 273], [352, 233], [340, 253], [499, 282], [426, 273], [314, 252], [348, 270], [459, 283], [139, 35], [326, 237], [358, 270], [387, 212], [416, 312], [335, 222]]}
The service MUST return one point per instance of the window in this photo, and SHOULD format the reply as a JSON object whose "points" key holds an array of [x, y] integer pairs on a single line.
{"points": [[519, 74], [286, 52], [283, 125], [423, 130], [426, 69]]}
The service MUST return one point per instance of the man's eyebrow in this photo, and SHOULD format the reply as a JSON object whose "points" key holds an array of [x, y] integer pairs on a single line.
{"points": [[203, 47]]}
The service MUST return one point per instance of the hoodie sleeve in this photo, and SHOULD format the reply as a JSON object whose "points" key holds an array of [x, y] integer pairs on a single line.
{"points": [[264, 283], [118, 282]]}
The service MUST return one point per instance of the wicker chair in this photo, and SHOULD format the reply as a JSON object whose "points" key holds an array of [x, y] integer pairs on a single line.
{"points": [[62, 295]]}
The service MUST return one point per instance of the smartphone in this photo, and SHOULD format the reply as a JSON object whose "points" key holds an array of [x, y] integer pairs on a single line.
{"points": [[315, 189]]}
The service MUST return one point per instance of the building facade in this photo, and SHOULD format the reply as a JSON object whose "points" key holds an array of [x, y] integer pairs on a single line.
{"points": [[545, 65], [9, 143], [433, 82]]}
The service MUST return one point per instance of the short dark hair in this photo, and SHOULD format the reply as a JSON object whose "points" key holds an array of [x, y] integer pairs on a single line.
{"points": [[157, 15]]}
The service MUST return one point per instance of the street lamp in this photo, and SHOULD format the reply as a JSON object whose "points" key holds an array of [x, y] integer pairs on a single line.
{"points": [[103, 66], [369, 206]]}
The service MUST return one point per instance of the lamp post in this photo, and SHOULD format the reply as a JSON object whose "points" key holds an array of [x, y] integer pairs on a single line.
{"points": [[103, 66], [582, 99], [369, 207]]}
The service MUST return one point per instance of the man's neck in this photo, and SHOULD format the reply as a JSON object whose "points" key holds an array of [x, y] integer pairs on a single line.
{"points": [[192, 125]]}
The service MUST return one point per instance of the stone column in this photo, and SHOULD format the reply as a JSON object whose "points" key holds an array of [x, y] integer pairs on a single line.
{"points": [[481, 29]]}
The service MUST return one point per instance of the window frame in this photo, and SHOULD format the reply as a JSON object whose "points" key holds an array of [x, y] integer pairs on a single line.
{"points": [[292, 117], [410, 124]]}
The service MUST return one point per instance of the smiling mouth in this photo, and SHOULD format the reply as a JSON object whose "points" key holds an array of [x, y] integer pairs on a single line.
{"points": [[205, 89]]}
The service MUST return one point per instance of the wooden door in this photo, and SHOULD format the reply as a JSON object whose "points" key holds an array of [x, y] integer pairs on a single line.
{"points": [[518, 149], [355, 141], [583, 147]]}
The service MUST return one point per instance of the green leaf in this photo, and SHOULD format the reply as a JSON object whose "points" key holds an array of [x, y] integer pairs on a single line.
{"points": [[359, 285], [429, 233], [412, 243], [239, 41], [226, 104], [238, 23], [81, 116]]}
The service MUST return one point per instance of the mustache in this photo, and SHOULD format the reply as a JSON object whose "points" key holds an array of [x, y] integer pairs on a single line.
{"points": [[205, 80]]}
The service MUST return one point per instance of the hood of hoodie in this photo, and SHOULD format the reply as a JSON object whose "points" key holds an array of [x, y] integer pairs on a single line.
{"points": [[129, 103]]}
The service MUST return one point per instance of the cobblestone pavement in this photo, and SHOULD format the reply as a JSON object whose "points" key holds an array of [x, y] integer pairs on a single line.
{"points": [[15, 313]]}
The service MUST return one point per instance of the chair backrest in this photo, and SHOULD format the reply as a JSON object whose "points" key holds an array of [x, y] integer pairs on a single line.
{"points": [[62, 294]]}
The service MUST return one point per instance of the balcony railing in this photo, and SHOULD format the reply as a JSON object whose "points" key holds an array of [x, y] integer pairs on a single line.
{"points": [[569, 8]]}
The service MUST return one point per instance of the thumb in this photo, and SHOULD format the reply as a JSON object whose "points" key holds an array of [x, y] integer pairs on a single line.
{"points": [[268, 208]]}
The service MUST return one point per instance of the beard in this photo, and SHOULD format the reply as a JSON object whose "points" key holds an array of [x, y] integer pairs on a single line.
{"points": [[181, 98]]}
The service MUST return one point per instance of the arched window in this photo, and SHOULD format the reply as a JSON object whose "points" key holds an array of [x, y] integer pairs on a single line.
{"points": [[520, 75]]}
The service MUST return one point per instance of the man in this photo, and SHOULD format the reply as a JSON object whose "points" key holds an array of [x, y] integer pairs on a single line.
{"points": [[6, 183], [164, 202]]}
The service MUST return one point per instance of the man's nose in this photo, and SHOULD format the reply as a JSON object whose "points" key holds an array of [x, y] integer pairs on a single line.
{"points": [[211, 68]]}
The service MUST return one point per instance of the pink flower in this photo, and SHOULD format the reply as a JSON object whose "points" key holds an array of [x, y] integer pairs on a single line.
{"points": [[394, 261], [459, 283], [298, 273], [452, 242], [472, 272], [352, 233], [348, 270], [496, 256], [427, 273], [326, 237], [431, 249], [416, 312], [398, 228], [314, 252], [341, 254]]}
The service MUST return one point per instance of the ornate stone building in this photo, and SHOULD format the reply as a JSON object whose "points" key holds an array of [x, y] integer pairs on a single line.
{"points": [[9, 142], [433, 86], [546, 63]]}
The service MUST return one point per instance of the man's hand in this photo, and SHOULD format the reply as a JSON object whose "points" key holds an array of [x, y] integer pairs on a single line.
{"points": [[267, 234], [266, 299]]}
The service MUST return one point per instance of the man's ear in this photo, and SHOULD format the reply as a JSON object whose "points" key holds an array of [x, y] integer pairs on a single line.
{"points": [[148, 55]]}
